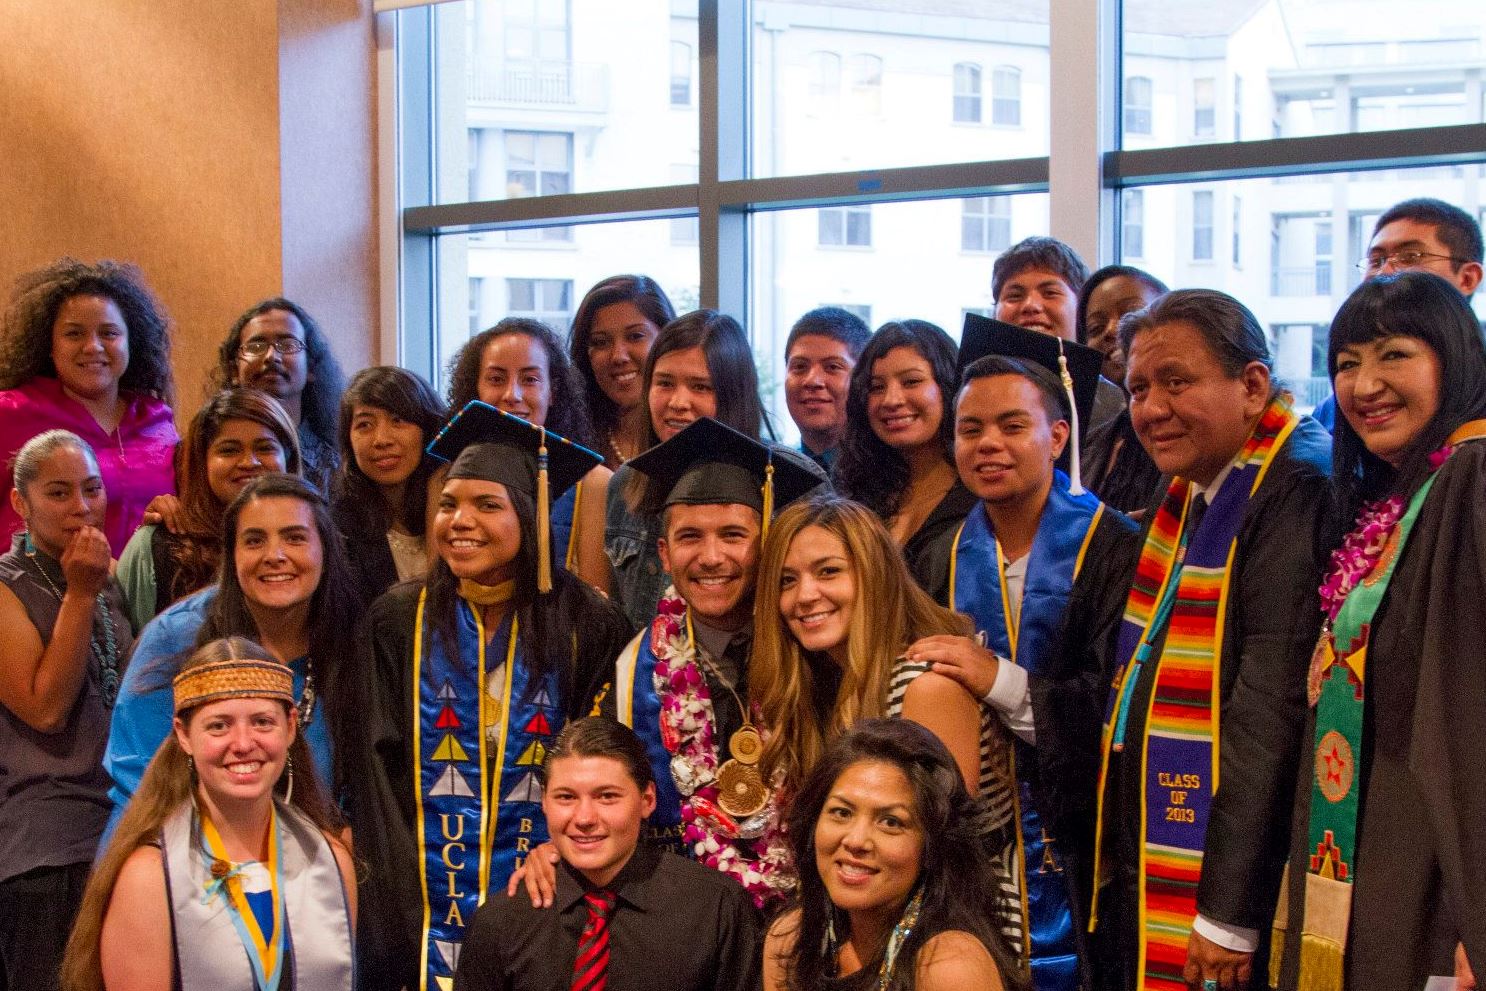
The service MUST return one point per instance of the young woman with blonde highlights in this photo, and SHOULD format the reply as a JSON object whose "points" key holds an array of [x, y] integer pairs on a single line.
{"points": [[234, 778]]}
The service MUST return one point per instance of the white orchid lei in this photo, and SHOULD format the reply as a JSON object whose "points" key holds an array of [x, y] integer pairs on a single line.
{"points": [[753, 851]]}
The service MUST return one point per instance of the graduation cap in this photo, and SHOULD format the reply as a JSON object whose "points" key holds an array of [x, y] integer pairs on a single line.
{"points": [[489, 444], [708, 463], [1075, 365]]}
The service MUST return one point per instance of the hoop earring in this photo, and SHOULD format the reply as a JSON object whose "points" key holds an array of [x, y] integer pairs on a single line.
{"points": [[289, 778]]}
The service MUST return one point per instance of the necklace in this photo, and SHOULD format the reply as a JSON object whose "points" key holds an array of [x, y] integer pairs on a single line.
{"points": [[614, 444], [305, 707], [741, 790], [105, 654]]}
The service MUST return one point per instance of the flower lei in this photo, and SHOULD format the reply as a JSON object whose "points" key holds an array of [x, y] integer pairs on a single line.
{"points": [[754, 851], [1359, 552]]}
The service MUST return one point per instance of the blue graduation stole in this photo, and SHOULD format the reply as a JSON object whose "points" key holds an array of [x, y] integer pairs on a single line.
{"points": [[638, 707], [481, 728], [977, 583]]}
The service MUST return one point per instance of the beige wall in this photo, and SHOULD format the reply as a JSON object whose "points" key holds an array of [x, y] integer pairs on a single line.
{"points": [[227, 147]]}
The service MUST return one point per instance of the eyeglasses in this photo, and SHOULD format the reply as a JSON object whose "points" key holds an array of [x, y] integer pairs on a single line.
{"points": [[1405, 258], [259, 348]]}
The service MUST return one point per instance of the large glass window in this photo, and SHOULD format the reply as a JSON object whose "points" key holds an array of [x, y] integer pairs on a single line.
{"points": [[871, 72], [1297, 68]]}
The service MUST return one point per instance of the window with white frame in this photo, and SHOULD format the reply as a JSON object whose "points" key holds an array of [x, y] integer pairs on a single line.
{"points": [[1006, 96], [1202, 225], [680, 74], [1138, 96], [986, 224], [967, 93], [1204, 107], [547, 300], [824, 90], [845, 226], [866, 84], [1132, 223], [538, 163]]}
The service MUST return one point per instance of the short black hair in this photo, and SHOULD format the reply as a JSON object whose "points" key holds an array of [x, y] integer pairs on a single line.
{"points": [[833, 322], [601, 736], [1054, 399], [1039, 252], [1229, 328], [1456, 229]]}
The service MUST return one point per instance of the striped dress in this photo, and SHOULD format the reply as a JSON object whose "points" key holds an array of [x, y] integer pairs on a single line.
{"points": [[996, 805]]}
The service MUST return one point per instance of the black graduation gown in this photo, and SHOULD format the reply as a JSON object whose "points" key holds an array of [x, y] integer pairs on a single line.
{"points": [[1269, 629], [1421, 849], [1068, 702], [928, 550], [381, 768]]}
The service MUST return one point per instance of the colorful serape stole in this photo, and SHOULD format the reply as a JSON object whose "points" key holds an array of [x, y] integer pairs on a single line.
{"points": [[977, 587], [480, 733], [264, 935], [1336, 782], [1181, 588]]}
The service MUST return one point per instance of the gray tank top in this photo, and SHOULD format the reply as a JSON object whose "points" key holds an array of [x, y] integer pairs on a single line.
{"points": [[53, 790]]}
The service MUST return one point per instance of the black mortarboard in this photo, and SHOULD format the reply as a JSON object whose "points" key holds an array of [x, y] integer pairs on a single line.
{"points": [[709, 462], [982, 336], [485, 443]]}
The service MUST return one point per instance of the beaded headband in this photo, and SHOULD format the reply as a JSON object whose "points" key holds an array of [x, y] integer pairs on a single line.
{"points": [[235, 678]]}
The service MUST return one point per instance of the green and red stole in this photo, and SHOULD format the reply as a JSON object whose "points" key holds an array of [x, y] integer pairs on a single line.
{"points": [[480, 732], [1338, 695], [1181, 587]]}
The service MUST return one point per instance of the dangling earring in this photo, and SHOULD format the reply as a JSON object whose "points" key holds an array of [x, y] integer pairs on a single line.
{"points": [[191, 767], [289, 778]]}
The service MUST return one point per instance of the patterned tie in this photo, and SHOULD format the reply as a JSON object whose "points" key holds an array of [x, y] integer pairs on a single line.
{"points": [[591, 968]]}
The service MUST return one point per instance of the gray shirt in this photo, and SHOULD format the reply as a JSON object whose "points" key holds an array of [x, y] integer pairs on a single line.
{"points": [[53, 790]]}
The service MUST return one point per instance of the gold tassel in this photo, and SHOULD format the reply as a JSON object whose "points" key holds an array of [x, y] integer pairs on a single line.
{"points": [[544, 520], [1075, 468], [768, 497], [1276, 956], [1321, 963]]}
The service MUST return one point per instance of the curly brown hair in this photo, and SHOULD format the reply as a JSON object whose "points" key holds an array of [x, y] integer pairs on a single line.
{"points": [[26, 337]]}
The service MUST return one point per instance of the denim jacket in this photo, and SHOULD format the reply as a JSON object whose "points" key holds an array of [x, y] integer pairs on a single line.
{"points": [[631, 542]]}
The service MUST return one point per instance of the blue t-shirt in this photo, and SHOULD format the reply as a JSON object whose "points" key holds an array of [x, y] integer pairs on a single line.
{"points": [[145, 711]]}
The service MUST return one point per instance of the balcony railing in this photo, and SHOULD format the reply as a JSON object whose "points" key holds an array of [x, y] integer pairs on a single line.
{"points": [[1303, 280], [582, 86]]}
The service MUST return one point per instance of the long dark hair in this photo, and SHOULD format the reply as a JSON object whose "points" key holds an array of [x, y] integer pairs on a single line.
{"points": [[650, 299], [729, 363], [1409, 304], [566, 413], [197, 548], [26, 344], [358, 500], [869, 471], [335, 608], [549, 623], [955, 873], [324, 382]]}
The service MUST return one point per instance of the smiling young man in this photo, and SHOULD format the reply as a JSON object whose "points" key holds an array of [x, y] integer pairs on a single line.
{"points": [[1427, 235], [710, 480], [1035, 284], [625, 916], [277, 347], [822, 349], [1034, 565], [1209, 674]]}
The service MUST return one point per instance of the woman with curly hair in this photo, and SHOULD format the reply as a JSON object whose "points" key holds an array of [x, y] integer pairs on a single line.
{"points": [[86, 348], [518, 366], [612, 332], [237, 436], [381, 492], [891, 879], [897, 456]]}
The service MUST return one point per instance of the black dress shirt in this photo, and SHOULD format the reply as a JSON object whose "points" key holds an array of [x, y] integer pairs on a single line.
{"points": [[676, 925]]}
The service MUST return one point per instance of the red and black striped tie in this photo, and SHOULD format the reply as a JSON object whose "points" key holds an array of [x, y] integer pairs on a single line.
{"points": [[591, 968]]}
